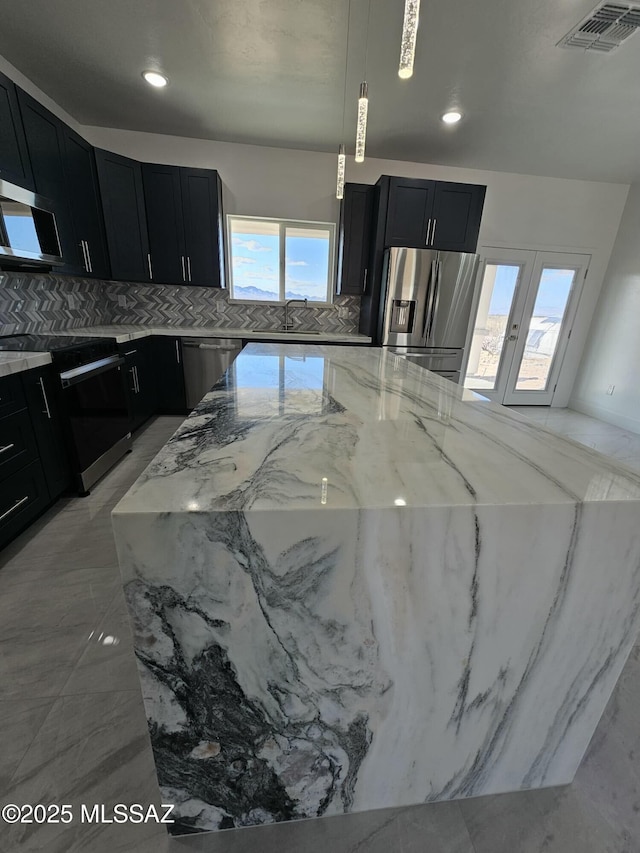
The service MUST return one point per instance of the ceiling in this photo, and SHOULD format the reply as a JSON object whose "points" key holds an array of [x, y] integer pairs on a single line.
{"points": [[272, 72]]}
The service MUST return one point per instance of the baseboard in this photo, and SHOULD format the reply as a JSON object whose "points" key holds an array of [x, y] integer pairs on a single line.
{"points": [[605, 414]]}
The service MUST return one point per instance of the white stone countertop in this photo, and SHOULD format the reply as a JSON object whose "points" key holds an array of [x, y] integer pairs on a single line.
{"points": [[321, 427], [125, 333], [18, 362]]}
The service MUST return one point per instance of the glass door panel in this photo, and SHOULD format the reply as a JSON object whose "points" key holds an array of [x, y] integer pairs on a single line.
{"points": [[543, 333], [498, 289]]}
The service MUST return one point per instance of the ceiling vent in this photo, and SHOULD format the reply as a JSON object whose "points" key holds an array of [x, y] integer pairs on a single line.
{"points": [[606, 28]]}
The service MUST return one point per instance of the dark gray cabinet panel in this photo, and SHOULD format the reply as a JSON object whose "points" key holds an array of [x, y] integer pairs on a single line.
{"points": [[86, 208], [169, 373], [165, 225], [45, 143], [42, 392], [202, 209], [17, 443], [125, 220], [140, 380], [15, 166], [23, 496], [354, 240], [410, 206], [457, 211]]}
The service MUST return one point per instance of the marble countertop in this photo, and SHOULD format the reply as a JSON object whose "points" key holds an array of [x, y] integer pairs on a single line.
{"points": [[18, 362], [321, 427], [125, 333]]}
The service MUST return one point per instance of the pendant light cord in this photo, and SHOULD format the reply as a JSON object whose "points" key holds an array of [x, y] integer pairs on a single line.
{"points": [[346, 68], [366, 50]]}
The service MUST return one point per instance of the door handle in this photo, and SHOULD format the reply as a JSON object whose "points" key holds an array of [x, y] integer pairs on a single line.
{"points": [[47, 411], [184, 275], [84, 255], [189, 266], [132, 371], [178, 351], [426, 242], [135, 373], [364, 286], [14, 507], [435, 299], [6, 447], [512, 338], [149, 264], [433, 233], [86, 243]]}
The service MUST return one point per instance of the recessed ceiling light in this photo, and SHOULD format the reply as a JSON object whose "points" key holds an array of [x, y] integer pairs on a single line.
{"points": [[452, 117], [154, 78]]}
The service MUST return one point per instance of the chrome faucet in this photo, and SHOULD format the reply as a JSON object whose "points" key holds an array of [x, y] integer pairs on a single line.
{"points": [[287, 324]]}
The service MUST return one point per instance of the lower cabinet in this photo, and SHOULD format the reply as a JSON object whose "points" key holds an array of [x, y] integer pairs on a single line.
{"points": [[23, 496], [140, 380], [41, 390], [169, 376]]}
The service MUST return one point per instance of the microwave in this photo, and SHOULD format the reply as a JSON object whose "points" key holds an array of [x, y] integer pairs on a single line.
{"points": [[28, 231]]}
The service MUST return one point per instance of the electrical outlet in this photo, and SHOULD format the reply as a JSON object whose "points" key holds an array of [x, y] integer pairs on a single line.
{"points": [[610, 389]]}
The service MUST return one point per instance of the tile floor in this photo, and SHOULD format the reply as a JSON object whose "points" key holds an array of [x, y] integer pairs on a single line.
{"points": [[72, 725]]}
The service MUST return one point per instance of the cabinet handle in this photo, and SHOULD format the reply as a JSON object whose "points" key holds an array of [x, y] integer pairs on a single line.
{"points": [[433, 233], [14, 507], [84, 255], [189, 266], [6, 447], [137, 380], [426, 242], [132, 371], [86, 242], [184, 274], [47, 410], [149, 263], [364, 286], [178, 351]]}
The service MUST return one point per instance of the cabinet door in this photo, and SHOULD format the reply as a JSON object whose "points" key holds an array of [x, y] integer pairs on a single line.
{"points": [[17, 443], [45, 142], [86, 208], [354, 239], [457, 210], [15, 166], [202, 207], [43, 400], [124, 216], [163, 205], [23, 496], [409, 212], [167, 359], [140, 381]]}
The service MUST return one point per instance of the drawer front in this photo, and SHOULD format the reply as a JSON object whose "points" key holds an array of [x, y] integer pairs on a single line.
{"points": [[17, 443], [11, 395], [23, 496]]}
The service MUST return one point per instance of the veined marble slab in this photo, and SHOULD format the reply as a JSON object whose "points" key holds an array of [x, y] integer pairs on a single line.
{"points": [[124, 333], [18, 362], [354, 585]]}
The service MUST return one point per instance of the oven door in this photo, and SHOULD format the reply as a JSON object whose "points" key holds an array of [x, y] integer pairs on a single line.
{"points": [[96, 406]]}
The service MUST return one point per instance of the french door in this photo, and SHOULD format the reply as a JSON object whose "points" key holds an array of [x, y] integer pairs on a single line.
{"points": [[526, 308]]}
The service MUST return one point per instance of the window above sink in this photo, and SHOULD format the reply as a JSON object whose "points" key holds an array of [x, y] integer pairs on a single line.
{"points": [[274, 260]]}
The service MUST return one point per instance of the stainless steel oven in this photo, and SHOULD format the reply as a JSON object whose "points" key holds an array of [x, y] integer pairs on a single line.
{"points": [[96, 406]]}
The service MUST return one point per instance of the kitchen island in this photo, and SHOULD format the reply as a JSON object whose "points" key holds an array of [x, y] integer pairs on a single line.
{"points": [[354, 584]]}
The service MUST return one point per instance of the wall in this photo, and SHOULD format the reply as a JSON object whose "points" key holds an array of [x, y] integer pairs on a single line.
{"points": [[612, 355], [521, 211]]}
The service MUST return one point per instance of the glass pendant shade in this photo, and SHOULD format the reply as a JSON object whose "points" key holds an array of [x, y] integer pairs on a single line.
{"points": [[409, 33], [361, 130], [342, 161]]}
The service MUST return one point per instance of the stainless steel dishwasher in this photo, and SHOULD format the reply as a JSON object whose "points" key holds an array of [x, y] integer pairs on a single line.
{"points": [[205, 360]]}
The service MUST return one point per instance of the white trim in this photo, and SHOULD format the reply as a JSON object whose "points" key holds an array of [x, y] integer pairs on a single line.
{"points": [[283, 224], [604, 414]]}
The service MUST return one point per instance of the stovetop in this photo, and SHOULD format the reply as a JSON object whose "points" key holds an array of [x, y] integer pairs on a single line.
{"points": [[67, 351]]}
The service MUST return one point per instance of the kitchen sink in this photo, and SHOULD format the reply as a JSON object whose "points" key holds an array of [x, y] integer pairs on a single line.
{"points": [[287, 331]]}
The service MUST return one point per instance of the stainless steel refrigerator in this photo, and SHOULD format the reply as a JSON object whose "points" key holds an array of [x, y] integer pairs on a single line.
{"points": [[427, 303]]}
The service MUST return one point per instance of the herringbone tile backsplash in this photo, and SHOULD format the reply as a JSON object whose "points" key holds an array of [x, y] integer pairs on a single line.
{"points": [[43, 303]]}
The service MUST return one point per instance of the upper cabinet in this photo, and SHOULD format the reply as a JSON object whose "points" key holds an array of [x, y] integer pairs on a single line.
{"points": [[44, 133], [433, 214], [86, 209], [354, 239], [184, 219], [14, 156], [125, 219]]}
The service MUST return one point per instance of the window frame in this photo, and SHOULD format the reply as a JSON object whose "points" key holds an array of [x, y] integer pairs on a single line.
{"points": [[283, 225]]}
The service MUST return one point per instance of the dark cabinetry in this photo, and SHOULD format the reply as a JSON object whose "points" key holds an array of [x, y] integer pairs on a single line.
{"points": [[169, 374], [184, 219], [124, 216], [354, 240], [41, 388], [434, 214], [86, 209], [14, 157], [140, 380], [45, 143]]}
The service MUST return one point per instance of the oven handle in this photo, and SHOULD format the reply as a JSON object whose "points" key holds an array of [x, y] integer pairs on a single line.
{"points": [[88, 371]]}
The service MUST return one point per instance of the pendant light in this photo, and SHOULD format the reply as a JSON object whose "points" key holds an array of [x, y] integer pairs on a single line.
{"points": [[409, 33], [342, 159], [363, 104]]}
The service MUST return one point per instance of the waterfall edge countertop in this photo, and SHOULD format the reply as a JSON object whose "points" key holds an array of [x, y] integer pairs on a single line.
{"points": [[355, 585]]}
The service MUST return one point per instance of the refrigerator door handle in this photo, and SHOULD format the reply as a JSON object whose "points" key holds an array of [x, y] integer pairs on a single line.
{"points": [[428, 304], [435, 299]]}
